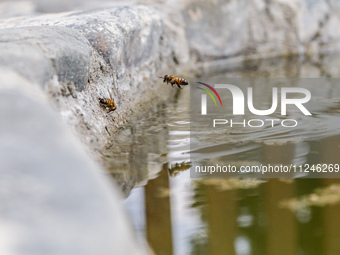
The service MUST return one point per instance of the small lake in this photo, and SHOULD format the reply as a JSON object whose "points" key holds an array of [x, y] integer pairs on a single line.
{"points": [[151, 157]]}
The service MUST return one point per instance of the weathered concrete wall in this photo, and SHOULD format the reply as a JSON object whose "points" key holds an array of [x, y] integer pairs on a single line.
{"points": [[66, 66], [38, 53], [123, 50], [218, 29], [54, 199], [15, 8]]}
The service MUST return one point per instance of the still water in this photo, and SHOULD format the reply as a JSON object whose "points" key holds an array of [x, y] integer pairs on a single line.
{"points": [[150, 160]]}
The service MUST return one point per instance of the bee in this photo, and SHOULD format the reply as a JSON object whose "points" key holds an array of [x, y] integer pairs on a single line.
{"points": [[108, 103], [174, 80], [179, 167]]}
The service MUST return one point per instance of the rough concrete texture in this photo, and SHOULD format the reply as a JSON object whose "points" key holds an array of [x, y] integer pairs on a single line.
{"points": [[53, 198], [245, 28], [74, 60], [130, 50], [218, 29], [133, 45], [14, 8], [38, 53]]}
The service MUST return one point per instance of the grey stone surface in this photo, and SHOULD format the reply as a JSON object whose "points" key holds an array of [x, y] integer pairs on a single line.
{"points": [[16, 8], [131, 48], [218, 29], [213, 29], [38, 53], [54, 199], [123, 50]]}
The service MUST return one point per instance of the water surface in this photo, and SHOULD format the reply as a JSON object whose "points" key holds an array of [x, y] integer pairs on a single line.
{"points": [[179, 215]]}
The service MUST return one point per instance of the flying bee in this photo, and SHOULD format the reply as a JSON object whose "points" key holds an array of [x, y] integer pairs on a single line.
{"points": [[179, 167], [174, 80], [108, 103]]}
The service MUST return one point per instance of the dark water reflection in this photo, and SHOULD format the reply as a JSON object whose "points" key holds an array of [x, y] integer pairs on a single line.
{"points": [[179, 215]]}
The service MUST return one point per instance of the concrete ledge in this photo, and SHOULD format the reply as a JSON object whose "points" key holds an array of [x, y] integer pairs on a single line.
{"points": [[123, 50], [54, 199], [38, 53]]}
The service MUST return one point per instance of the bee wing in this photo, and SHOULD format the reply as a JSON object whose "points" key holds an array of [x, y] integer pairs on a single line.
{"points": [[113, 101], [110, 94]]}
